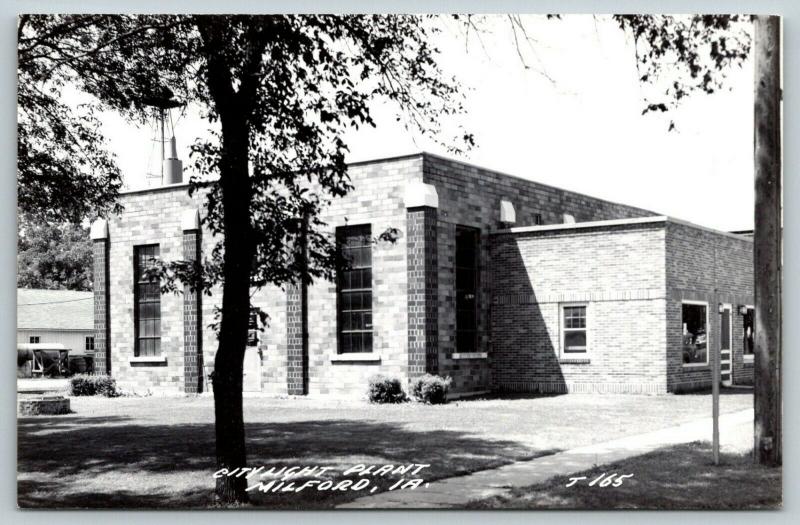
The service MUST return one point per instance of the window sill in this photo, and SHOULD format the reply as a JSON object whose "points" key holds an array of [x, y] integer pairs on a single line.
{"points": [[574, 361], [149, 360], [696, 365], [470, 355], [356, 358]]}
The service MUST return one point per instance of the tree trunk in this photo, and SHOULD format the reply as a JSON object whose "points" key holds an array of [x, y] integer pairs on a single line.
{"points": [[234, 111], [228, 364], [768, 242]]}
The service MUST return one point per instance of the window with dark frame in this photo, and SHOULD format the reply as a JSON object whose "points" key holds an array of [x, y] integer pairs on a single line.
{"points": [[354, 289], [573, 339], [34, 339], [537, 219], [89, 342], [466, 289], [147, 303], [749, 331], [252, 328], [694, 318]]}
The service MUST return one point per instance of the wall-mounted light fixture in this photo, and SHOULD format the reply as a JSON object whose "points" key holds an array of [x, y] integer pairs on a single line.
{"points": [[721, 308], [742, 309]]}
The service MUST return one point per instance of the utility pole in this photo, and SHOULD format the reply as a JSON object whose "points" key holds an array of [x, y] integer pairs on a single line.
{"points": [[768, 247], [715, 378]]}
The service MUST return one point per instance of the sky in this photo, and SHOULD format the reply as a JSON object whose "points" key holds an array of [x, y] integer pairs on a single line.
{"points": [[572, 119]]}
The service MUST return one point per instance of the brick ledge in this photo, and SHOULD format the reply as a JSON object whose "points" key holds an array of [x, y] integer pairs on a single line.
{"points": [[149, 359], [356, 358], [575, 361], [470, 355]]}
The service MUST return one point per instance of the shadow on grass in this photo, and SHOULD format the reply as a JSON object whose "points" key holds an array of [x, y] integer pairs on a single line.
{"points": [[499, 395], [723, 392], [680, 477], [69, 462]]}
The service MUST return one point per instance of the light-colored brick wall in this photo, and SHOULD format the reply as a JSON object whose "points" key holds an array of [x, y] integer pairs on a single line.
{"points": [[272, 341], [153, 217], [150, 217], [617, 272], [467, 195], [376, 200], [713, 267], [470, 196]]}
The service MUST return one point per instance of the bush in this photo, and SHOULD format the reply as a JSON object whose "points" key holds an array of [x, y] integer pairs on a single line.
{"points": [[431, 389], [383, 389], [100, 385]]}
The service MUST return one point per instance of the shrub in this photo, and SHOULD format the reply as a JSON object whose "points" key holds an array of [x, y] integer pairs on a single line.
{"points": [[90, 385], [383, 389], [431, 389]]}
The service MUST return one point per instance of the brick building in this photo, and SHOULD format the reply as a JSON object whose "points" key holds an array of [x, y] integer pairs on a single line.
{"points": [[498, 282]]}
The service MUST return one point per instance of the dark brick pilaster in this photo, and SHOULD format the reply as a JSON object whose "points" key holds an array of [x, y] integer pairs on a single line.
{"points": [[423, 317], [294, 341], [297, 331], [102, 318], [192, 321]]}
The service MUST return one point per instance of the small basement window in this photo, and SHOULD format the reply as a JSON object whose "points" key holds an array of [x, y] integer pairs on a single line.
{"points": [[694, 317], [573, 329], [34, 339]]}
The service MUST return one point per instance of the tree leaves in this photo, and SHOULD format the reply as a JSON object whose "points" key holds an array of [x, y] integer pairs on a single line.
{"points": [[299, 83], [53, 256], [680, 55]]}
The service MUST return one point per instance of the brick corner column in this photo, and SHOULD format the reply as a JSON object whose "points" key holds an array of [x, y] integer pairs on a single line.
{"points": [[422, 203], [100, 287], [192, 309], [297, 332]]}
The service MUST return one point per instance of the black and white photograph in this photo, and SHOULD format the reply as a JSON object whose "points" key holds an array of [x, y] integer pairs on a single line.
{"points": [[399, 261]]}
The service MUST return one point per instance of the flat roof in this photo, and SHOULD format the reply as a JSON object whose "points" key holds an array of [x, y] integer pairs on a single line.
{"points": [[616, 222], [591, 224]]}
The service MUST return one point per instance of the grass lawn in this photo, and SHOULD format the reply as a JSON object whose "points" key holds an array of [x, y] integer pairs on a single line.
{"points": [[680, 477], [159, 452]]}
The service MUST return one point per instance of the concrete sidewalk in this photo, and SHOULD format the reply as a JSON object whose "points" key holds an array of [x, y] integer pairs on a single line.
{"points": [[736, 433], [41, 385]]}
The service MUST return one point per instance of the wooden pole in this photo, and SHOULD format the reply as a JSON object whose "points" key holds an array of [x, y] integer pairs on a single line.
{"points": [[714, 389], [768, 242]]}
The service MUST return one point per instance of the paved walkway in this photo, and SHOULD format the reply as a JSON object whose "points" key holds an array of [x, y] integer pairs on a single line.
{"points": [[736, 433], [41, 385]]}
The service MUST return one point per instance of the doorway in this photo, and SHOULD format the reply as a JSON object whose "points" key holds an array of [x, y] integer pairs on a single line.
{"points": [[251, 382]]}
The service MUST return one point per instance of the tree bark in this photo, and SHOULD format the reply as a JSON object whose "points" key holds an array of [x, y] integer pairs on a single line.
{"points": [[768, 251], [234, 109], [229, 361]]}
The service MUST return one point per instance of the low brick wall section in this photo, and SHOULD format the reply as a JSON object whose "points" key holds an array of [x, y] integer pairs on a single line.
{"points": [[37, 406]]}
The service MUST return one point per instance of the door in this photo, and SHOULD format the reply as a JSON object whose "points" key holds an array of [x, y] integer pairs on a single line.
{"points": [[252, 370], [725, 351]]}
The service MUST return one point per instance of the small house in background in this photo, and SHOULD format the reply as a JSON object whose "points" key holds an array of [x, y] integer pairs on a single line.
{"points": [[61, 317]]}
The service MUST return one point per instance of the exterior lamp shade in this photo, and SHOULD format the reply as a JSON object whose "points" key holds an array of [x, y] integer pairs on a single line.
{"points": [[742, 309], [720, 308]]}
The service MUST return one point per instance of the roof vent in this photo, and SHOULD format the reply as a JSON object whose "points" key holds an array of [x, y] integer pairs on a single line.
{"points": [[173, 167], [507, 213]]}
